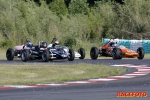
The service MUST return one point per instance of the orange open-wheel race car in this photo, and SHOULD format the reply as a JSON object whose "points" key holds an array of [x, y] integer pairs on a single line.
{"points": [[111, 49]]}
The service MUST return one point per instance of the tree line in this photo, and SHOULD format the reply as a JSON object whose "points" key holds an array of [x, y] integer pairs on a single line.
{"points": [[74, 22]]}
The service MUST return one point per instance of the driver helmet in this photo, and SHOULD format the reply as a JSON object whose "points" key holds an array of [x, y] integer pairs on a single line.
{"points": [[56, 42], [44, 44], [112, 44], [29, 44]]}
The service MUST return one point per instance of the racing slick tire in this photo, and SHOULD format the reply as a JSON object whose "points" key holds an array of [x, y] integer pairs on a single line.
{"points": [[94, 53], [141, 53], [71, 55], [10, 54], [81, 51], [116, 53], [25, 55], [45, 55]]}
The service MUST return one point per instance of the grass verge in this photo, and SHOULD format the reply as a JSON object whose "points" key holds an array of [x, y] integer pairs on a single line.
{"points": [[31, 74]]}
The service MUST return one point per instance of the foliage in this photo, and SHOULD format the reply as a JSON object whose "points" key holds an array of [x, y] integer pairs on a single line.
{"points": [[133, 19], [6, 44], [73, 19], [70, 41], [78, 7], [59, 7]]}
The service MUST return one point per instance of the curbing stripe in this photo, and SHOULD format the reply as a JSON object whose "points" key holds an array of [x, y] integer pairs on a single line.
{"points": [[123, 76], [144, 70], [141, 72], [134, 74]]}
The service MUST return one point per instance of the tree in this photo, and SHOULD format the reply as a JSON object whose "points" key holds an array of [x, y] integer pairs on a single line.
{"points": [[59, 7], [78, 7]]}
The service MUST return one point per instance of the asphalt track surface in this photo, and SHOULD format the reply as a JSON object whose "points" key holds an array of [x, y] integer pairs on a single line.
{"points": [[76, 61], [93, 91]]}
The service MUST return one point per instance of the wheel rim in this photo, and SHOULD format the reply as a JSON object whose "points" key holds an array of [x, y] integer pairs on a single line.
{"points": [[23, 56], [113, 53], [44, 56], [140, 53], [92, 53], [69, 56]]}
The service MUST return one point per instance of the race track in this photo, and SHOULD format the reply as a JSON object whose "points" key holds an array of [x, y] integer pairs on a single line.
{"points": [[98, 61], [98, 90]]}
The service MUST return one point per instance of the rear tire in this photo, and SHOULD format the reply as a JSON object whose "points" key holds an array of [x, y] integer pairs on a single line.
{"points": [[81, 51], [25, 55], [45, 56], [10, 54], [71, 55], [94, 53], [141, 53]]}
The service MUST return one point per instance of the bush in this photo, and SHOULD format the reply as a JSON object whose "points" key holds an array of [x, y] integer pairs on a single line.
{"points": [[6, 44], [70, 41]]}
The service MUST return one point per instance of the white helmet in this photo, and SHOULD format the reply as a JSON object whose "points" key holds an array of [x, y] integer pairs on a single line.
{"points": [[56, 42]]}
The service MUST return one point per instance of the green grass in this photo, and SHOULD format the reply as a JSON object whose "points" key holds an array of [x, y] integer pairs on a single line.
{"points": [[2, 54], [31, 74], [147, 56]]}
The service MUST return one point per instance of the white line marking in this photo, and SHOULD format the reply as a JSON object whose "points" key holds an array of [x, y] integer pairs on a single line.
{"points": [[77, 82], [102, 79], [142, 72], [52, 84], [83, 82], [20, 86], [122, 76], [129, 65], [123, 65]]}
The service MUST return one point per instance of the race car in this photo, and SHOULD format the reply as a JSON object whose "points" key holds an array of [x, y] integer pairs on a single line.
{"points": [[44, 52], [34, 52], [26, 51], [111, 49], [61, 52], [17, 50]]}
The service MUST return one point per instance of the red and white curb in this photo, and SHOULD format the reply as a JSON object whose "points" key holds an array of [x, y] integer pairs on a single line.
{"points": [[141, 70]]}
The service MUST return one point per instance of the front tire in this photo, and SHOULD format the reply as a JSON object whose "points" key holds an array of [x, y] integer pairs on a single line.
{"points": [[25, 55], [10, 54], [71, 55], [94, 53], [116, 53], [45, 56], [81, 51], [141, 53]]}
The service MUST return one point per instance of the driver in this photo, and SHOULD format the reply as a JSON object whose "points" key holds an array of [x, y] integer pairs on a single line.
{"points": [[29, 44], [56, 43], [113, 43], [44, 45], [53, 44]]}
